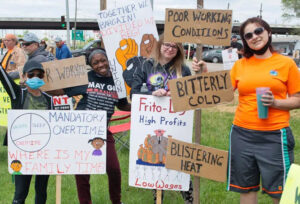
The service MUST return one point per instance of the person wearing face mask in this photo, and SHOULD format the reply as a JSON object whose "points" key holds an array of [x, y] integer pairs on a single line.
{"points": [[30, 97], [262, 149]]}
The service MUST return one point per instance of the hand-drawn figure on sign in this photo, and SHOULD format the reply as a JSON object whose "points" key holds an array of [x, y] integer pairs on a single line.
{"points": [[147, 45], [97, 143], [16, 166], [153, 153], [128, 49]]}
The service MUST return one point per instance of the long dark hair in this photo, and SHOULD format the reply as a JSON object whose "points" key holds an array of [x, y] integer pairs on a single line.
{"points": [[247, 51]]}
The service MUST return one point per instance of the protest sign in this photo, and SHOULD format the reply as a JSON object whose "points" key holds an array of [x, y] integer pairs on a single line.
{"points": [[152, 121], [201, 91], [5, 104], [197, 160], [127, 31], [64, 73], [291, 192], [230, 56], [56, 142], [62, 102], [211, 27]]}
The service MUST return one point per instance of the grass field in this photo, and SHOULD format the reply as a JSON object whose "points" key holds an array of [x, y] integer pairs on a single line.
{"points": [[215, 129]]}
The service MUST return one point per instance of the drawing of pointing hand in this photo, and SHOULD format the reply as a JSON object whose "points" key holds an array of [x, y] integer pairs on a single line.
{"points": [[147, 45], [128, 49]]}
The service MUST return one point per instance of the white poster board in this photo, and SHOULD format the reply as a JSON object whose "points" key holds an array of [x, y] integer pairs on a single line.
{"points": [[56, 142], [152, 121], [230, 56], [127, 31], [62, 102]]}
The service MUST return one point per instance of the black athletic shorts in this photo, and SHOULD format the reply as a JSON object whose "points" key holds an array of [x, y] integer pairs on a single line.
{"points": [[255, 155]]}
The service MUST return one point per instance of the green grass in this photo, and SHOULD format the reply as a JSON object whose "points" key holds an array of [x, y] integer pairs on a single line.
{"points": [[215, 131]]}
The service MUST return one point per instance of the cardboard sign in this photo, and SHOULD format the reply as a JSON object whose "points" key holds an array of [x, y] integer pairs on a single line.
{"points": [[197, 160], [128, 30], [5, 104], [64, 73], [201, 91], [62, 102], [291, 192], [230, 56], [45, 142], [152, 121], [211, 27]]}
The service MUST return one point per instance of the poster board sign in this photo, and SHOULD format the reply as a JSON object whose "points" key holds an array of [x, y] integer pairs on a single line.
{"points": [[128, 30], [62, 102], [291, 192], [64, 73], [5, 104], [197, 160], [201, 91], [56, 142], [230, 56], [200, 26], [152, 121]]}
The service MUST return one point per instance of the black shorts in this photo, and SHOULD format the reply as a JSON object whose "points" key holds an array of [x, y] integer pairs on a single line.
{"points": [[255, 155]]}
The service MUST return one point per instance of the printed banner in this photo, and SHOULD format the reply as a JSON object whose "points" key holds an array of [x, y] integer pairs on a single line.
{"points": [[62, 102], [198, 160], [201, 90], [127, 31], [230, 56], [211, 27], [56, 142], [152, 122], [291, 192]]}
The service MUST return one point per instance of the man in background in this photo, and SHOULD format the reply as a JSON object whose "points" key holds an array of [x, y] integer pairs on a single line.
{"points": [[62, 50], [236, 44]]}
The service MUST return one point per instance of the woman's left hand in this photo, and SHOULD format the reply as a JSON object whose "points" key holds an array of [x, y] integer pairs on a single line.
{"points": [[268, 99]]}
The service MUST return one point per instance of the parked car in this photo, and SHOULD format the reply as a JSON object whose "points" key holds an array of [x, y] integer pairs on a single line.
{"points": [[214, 56], [88, 47]]}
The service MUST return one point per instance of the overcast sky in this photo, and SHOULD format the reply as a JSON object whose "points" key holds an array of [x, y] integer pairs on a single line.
{"points": [[242, 9]]}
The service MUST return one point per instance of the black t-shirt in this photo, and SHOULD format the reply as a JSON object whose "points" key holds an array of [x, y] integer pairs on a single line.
{"points": [[99, 94]]}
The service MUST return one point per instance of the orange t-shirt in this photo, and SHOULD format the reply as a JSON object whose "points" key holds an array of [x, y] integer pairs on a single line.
{"points": [[278, 72]]}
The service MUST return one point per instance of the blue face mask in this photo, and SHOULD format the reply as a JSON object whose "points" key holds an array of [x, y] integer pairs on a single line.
{"points": [[35, 82]]}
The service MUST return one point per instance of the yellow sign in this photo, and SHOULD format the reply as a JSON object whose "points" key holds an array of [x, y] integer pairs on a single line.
{"points": [[5, 104], [291, 193]]}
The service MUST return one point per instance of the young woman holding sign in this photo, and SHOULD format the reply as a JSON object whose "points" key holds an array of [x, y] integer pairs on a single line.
{"points": [[101, 88], [167, 63], [261, 146]]}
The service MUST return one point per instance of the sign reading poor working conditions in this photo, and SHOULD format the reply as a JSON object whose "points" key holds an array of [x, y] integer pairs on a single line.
{"points": [[201, 91], [211, 27], [64, 73], [197, 160], [45, 142]]}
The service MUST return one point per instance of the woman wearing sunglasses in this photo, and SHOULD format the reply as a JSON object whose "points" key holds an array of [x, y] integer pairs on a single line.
{"points": [[30, 97], [262, 149]]}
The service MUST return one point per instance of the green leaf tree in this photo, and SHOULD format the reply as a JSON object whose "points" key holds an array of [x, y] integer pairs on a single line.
{"points": [[291, 8]]}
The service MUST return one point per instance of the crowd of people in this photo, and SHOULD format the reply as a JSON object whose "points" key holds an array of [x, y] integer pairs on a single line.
{"points": [[260, 150]]}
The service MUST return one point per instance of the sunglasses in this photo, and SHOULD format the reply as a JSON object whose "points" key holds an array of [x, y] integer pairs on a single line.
{"points": [[27, 43], [167, 45], [32, 74], [257, 31]]}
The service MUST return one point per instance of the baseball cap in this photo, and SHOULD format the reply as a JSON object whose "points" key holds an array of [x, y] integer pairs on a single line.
{"points": [[31, 37], [233, 36], [57, 39], [32, 65]]}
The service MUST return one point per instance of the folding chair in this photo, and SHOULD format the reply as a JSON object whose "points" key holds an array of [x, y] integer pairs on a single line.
{"points": [[120, 131]]}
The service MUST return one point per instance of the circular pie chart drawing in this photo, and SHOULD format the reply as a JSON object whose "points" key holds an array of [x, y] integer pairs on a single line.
{"points": [[30, 132]]}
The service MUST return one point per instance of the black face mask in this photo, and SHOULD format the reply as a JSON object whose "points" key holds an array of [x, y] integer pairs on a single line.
{"points": [[263, 49]]}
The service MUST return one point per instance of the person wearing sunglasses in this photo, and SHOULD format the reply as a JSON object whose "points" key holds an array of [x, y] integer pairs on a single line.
{"points": [[30, 97], [262, 149]]}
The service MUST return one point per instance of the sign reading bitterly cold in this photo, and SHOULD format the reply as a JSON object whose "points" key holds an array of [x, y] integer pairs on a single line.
{"points": [[201, 90], [152, 122], [56, 142], [211, 27], [127, 31]]}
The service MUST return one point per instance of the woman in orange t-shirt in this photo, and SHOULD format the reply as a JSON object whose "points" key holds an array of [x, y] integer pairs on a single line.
{"points": [[262, 149]]}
